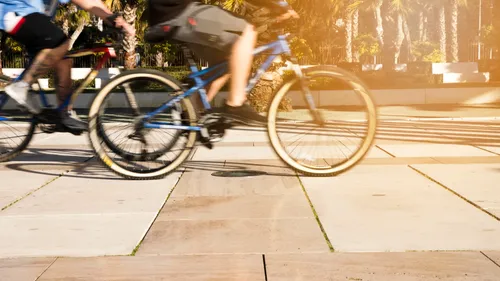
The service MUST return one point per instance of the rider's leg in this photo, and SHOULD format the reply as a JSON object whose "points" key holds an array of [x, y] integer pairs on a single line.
{"points": [[42, 37], [63, 89], [240, 63], [216, 86], [234, 38], [63, 81]]}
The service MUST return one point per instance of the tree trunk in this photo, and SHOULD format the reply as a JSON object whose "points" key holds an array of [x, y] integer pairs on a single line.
{"points": [[400, 36], [426, 28], [406, 30], [454, 32], [65, 26], [159, 59], [77, 33], [348, 37], [130, 42], [380, 26], [390, 39], [421, 26], [355, 31], [442, 33]]}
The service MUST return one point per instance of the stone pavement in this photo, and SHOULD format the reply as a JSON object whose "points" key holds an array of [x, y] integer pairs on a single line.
{"points": [[424, 205]]}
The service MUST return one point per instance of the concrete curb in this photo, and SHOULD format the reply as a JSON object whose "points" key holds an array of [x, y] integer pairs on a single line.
{"points": [[464, 96]]}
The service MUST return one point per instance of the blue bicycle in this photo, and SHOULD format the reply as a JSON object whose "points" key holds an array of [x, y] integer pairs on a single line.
{"points": [[18, 127], [152, 141]]}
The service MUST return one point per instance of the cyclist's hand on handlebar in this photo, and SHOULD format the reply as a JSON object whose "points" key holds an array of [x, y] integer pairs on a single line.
{"points": [[127, 28], [290, 14], [120, 23]]}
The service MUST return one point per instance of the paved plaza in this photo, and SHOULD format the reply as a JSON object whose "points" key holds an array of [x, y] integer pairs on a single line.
{"points": [[423, 205]]}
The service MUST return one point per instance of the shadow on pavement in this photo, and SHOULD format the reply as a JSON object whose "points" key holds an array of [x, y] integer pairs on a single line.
{"points": [[78, 163], [238, 169], [452, 107], [441, 132]]}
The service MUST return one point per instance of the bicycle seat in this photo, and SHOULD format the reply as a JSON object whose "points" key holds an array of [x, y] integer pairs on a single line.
{"points": [[159, 33]]}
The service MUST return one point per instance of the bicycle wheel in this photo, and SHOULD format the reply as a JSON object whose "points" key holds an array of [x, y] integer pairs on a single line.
{"points": [[355, 131], [141, 153], [16, 131]]}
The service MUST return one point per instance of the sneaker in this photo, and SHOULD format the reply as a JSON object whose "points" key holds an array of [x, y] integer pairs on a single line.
{"points": [[19, 91], [244, 114], [70, 120]]}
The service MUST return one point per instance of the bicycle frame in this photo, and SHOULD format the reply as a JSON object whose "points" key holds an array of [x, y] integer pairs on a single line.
{"points": [[279, 47], [109, 52]]}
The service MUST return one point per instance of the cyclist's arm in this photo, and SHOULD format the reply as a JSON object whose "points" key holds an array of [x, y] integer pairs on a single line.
{"points": [[98, 8], [275, 5], [95, 7]]}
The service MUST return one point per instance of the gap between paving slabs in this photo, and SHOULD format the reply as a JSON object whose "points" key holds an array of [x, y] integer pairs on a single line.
{"points": [[444, 186], [492, 260], [325, 235], [42, 186], [136, 249]]}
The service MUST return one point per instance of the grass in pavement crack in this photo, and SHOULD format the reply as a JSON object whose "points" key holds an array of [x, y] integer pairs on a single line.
{"points": [[31, 192], [454, 192], [316, 216], [158, 214], [44, 185]]}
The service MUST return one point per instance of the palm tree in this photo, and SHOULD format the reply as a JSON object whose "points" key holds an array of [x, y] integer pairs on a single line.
{"points": [[442, 29], [402, 8], [130, 10], [453, 56], [376, 7], [348, 20], [355, 30], [70, 17]]}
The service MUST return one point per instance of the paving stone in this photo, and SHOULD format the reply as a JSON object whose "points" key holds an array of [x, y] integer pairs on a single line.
{"points": [[292, 205], [381, 266], [233, 236], [16, 184], [72, 235], [23, 269], [494, 255], [212, 267], [476, 182], [397, 209]]}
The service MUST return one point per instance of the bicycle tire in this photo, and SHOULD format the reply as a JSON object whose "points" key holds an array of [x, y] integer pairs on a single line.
{"points": [[95, 136], [5, 157], [134, 156], [366, 96]]}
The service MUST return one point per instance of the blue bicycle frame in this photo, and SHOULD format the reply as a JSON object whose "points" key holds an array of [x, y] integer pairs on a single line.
{"points": [[278, 47]]}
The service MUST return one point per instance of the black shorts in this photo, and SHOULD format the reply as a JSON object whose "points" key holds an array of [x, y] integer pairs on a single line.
{"points": [[209, 31], [37, 32]]}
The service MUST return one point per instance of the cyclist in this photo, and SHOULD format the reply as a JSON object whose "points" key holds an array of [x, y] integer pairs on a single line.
{"points": [[29, 23], [215, 34]]}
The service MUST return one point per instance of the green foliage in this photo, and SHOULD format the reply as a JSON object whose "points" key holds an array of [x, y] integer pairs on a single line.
{"points": [[366, 44], [300, 48], [13, 46], [426, 51], [490, 35]]}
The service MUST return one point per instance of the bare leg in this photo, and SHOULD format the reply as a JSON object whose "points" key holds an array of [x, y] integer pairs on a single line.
{"points": [[216, 86], [63, 81], [44, 61], [240, 65]]}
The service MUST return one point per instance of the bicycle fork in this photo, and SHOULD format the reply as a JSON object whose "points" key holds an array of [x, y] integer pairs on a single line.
{"points": [[304, 86]]}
